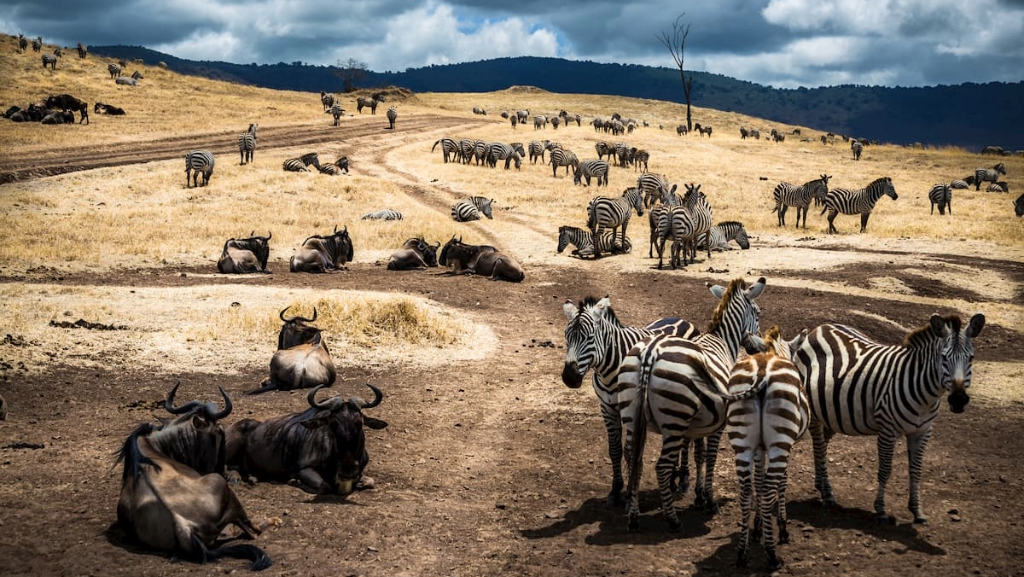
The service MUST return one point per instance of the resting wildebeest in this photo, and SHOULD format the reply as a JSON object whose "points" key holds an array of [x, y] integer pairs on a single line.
{"points": [[415, 253], [109, 109], [321, 450], [245, 255], [174, 496], [483, 260], [68, 102], [300, 367], [319, 253], [295, 331], [59, 117]]}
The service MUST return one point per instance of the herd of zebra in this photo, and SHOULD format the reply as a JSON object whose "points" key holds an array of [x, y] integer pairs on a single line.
{"points": [[48, 60], [694, 386], [332, 106]]}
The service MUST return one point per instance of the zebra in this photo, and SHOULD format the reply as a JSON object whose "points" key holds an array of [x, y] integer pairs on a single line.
{"points": [[471, 208], [537, 150], [857, 386], [22, 43], [514, 120], [563, 157], [196, 162], [1001, 186], [958, 184], [335, 168], [478, 110], [744, 133], [508, 152], [721, 234], [137, 75], [755, 134], [299, 164], [684, 223], [596, 339], [449, 149], [857, 148], [370, 103], [787, 195], [523, 116], [385, 214], [540, 121], [114, 70], [555, 122], [592, 169], [392, 114], [681, 130], [51, 61], [603, 149], [613, 213], [83, 51], [942, 195], [988, 175], [762, 431], [479, 153], [653, 187], [680, 384], [849, 201], [466, 150], [336, 111], [247, 144], [621, 154], [327, 100], [584, 241], [37, 44], [641, 157]]}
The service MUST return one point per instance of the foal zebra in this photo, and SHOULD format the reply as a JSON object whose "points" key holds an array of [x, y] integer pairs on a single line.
{"points": [[680, 384], [787, 195], [592, 169], [613, 213], [196, 162], [721, 234], [247, 144], [941, 194], [857, 386], [562, 157], [988, 175], [471, 208], [299, 164], [596, 339], [849, 201], [584, 241], [449, 149]]}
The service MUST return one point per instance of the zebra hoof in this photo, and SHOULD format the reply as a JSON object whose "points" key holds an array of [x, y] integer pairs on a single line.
{"points": [[883, 519], [783, 537], [920, 520], [633, 526], [741, 560], [674, 526], [774, 563], [712, 507], [829, 503], [614, 500]]}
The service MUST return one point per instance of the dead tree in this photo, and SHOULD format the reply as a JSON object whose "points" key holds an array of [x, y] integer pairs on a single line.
{"points": [[676, 44]]}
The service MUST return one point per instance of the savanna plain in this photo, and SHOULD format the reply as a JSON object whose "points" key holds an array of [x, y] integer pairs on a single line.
{"points": [[489, 464]]}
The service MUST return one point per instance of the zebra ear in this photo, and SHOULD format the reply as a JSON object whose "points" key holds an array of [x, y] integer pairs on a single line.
{"points": [[604, 304], [569, 309], [938, 325], [756, 290], [717, 290], [797, 341], [977, 323]]}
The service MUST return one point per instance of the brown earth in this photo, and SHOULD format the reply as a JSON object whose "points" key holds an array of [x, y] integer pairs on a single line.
{"points": [[495, 467]]}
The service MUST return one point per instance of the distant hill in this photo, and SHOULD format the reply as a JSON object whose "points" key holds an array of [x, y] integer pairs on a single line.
{"points": [[968, 115]]}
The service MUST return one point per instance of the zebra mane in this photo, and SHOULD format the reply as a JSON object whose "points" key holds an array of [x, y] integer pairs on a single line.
{"points": [[726, 223], [771, 336], [723, 303], [923, 335]]}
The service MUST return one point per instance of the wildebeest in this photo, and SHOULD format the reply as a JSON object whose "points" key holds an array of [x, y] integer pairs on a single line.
{"points": [[300, 367], [320, 253], [480, 259], [1018, 206], [322, 448], [109, 109], [174, 496], [245, 255], [415, 253], [69, 102], [59, 117], [295, 331]]}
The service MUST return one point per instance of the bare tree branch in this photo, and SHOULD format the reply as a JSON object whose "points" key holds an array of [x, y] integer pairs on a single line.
{"points": [[350, 72], [676, 45]]}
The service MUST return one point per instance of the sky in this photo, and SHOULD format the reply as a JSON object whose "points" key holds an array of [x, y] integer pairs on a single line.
{"points": [[781, 43]]}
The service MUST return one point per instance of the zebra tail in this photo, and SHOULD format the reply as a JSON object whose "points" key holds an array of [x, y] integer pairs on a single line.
{"points": [[753, 391], [636, 450], [435, 146]]}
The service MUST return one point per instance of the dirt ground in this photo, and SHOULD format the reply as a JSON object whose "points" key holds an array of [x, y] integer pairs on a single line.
{"points": [[494, 467]]}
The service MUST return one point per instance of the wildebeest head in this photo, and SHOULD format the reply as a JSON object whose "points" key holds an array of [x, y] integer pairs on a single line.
{"points": [[456, 251], [260, 246], [430, 253], [194, 437], [295, 331]]}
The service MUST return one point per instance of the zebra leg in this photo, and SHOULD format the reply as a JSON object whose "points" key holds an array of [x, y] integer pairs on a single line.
{"points": [[864, 221], [699, 457], [595, 233], [759, 463], [768, 498], [681, 478], [665, 468], [710, 504], [820, 442], [612, 425], [915, 454], [781, 506], [886, 445], [782, 214], [831, 217], [744, 458]]}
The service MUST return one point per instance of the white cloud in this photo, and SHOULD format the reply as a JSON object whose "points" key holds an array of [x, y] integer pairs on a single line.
{"points": [[207, 45]]}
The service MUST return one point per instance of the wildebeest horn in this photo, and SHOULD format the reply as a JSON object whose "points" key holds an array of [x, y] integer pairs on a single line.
{"points": [[284, 320], [169, 403], [377, 397], [335, 229], [311, 397], [253, 233], [227, 405]]}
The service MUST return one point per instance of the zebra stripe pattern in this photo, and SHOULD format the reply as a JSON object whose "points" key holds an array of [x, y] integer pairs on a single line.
{"points": [[604, 149], [849, 201], [592, 169], [613, 213], [641, 157], [385, 214], [941, 195], [362, 102], [466, 148], [958, 184], [596, 339], [50, 60], [449, 149], [988, 175], [508, 152], [299, 164], [680, 384], [563, 157], [787, 195], [471, 208], [537, 150], [247, 144], [392, 115], [856, 147], [684, 223], [198, 162], [337, 112], [857, 386], [653, 186], [335, 168], [114, 70], [721, 234], [584, 241]]}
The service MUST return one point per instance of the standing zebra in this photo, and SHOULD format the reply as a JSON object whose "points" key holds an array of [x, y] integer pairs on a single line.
{"points": [[449, 149], [114, 70], [596, 339], [988, 175], [299, 164], [592, 169], [680, 384], [684, 223], [537, 150], [584, 241], [721, 234], [857, 386], [508, 152], [613, 213], [196, 162], [22, 43], [787, 195], [540, 121], [471, 208], [466, 148], [37, 44], [83, 51], [336, 111], [51, 61], [604, 149], [849, 201], [327, 100], [563, 157], [392, 115], [857, 148], [370, 103], [653, 187], [941, 194], [247, 144], [641, 157]]}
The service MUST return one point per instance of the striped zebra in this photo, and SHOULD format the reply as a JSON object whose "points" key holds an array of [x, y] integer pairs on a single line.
{"points": [[592, 169], [942, 195], [247, 144], [540, 121], [449, 149], [37, 44], [849, 201], [392, 116], [787, 195], [856, 147], [50, 60], [857, 386], [596, 339], [299, 164], [988, 175], [337, 112], [114, 70], [523, 116], [198, 162], [584, 241], [621, 154], [958, 184], [466, 149], [508, 152], [653, 187], [480, 152], [680, 385], [1001, 186], [641, 157], [721, 234], [471, 208], [613, 213], [22, 43], [327, 100], [562, 157], [762, 431], [335, 168], [362, 102], [684, 223], [604, 149], [537, 149], [556, 121], [385, 214]]}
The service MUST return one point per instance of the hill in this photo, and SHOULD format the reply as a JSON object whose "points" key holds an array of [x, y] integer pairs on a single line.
{"points": [[968, 115]]}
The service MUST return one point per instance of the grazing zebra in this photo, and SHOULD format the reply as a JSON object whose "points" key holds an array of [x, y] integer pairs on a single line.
{"points": [[584, 241], [196, 162], [988, 175], [684, 223], [478, 110], [392, 115], [596, 339], [335, 168], [849, 201], [958, 184], [592, 169], [247, 144], [762, 431], [857, 148], [857, 386], [514, 120], [942, 195], [540, 121], [370, 103], [508, 152], [653, 186], [537, 150], [299, 164], [787, 195], [621, 154], [680, 384], [721, 234], [449, 149], [51, 61], [336, 111], [114, 70], [471, 208], [613, 213], [480, 152], [641, 157], [327, 100], [604, 149], [563, 157], [385, 214]]}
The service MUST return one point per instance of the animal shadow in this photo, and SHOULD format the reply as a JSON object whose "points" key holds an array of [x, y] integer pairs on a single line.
{"points": [[811, 512]]}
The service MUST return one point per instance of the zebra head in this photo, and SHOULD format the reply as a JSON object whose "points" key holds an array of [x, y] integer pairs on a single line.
{"points": [[563, 241], [736, 314], [956, 354], [580, 341]]}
